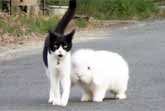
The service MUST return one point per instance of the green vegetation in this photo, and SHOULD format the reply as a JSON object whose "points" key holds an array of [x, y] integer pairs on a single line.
{"points": [[6, 27], [82, 23], [41, 25], [0, 4], [113, 9], [117, 9], [23, 25], [56, 2]]}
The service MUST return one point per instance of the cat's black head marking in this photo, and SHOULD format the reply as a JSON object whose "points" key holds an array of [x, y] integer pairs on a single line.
{"points": [[57, 40]]}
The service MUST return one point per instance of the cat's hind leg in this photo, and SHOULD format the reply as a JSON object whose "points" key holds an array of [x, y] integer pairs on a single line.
{"points": [[56, 91]]}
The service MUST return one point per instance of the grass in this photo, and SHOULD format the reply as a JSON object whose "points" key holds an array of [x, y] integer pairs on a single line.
{"points": [[82, 23], [17, 29], [40, 25], [19, 25], [112, 9], [22, 25], [117, 9], [56, 2]]}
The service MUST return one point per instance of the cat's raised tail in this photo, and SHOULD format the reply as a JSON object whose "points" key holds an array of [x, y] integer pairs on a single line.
{"points": [[67, 17]]}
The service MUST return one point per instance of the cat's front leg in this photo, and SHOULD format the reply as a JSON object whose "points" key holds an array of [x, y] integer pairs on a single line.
{"points": [[98, 94], [51, 91], [51, 96], [66, 84], [56, 87], [54, 94]]}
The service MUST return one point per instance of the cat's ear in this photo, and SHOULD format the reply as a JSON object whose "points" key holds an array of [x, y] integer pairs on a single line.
{"points": [[54, 34], [69, 36]]}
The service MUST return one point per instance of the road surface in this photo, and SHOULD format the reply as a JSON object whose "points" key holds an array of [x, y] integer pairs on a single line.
{"points": [[24, 85]]}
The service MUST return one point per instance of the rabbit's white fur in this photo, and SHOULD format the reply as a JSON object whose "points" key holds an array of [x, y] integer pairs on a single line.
{"points": [[98, 72]]}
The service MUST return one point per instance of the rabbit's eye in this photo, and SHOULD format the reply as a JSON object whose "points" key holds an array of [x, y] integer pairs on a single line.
{"points": [[88, 68]]}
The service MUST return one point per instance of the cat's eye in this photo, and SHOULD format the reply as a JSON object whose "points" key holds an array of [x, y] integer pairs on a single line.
{"points": [[55, 46], [65, 46]]}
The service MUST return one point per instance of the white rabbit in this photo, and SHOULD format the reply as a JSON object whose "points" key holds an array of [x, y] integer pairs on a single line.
{"points": [[98, 72]]}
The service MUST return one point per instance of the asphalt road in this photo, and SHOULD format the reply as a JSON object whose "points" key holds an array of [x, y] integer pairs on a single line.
{"points": [[24, 86]]}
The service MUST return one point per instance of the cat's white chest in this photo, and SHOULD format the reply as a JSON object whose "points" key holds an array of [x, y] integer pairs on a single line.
{"points": [[59, 65]]}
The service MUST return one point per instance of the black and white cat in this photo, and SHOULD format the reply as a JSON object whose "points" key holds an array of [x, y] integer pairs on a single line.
{"points": [[57, 58]]}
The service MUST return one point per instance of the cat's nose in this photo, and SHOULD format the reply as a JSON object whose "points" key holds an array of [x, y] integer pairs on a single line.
{"points": [[60, 55]]}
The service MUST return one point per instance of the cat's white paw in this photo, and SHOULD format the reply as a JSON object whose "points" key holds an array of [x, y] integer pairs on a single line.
{"points": [[63, 103], [50, 101], [121, 96], [51, 97], [59, 103], [56, 103]]}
